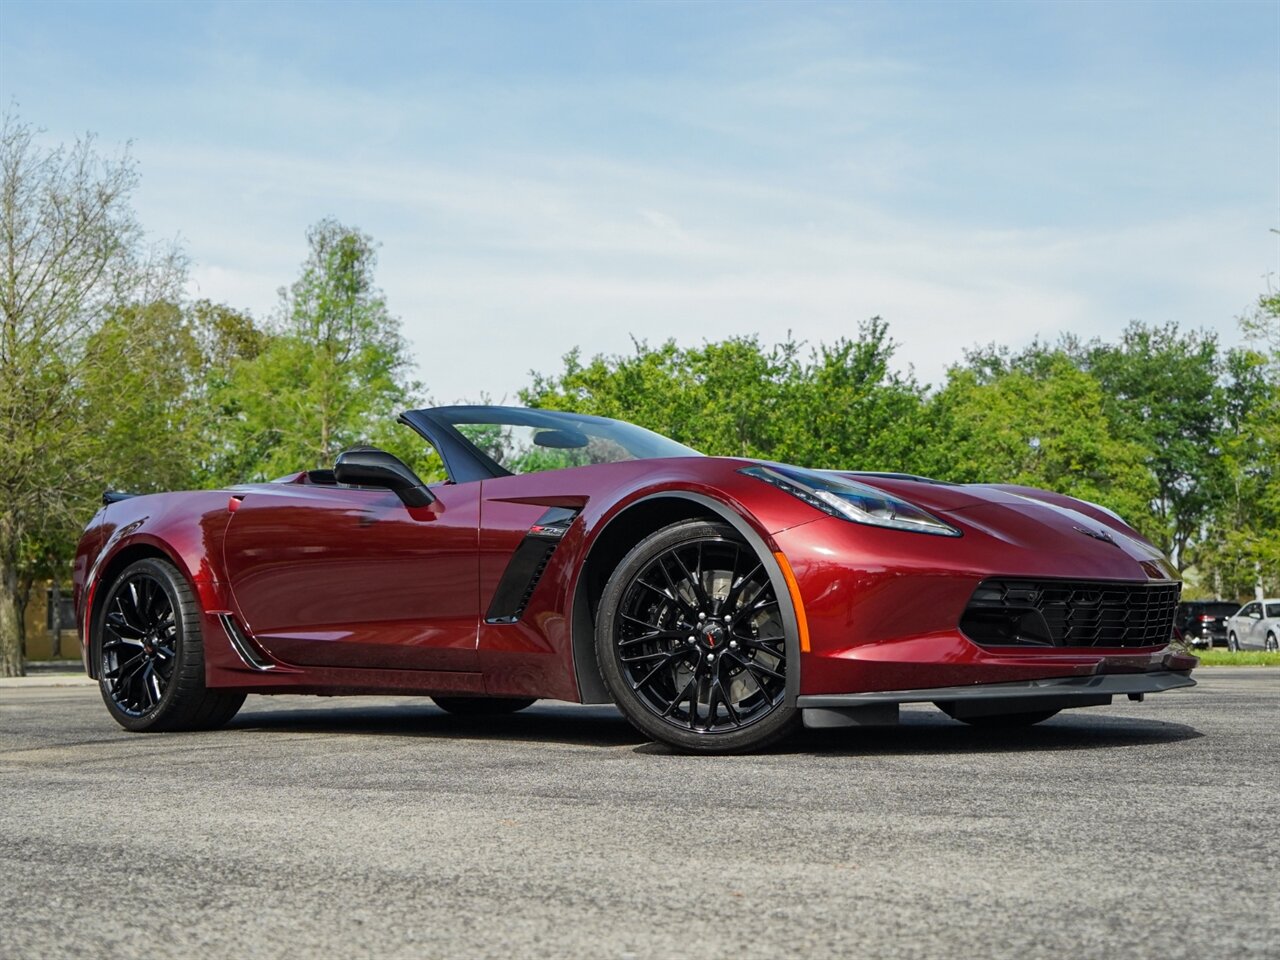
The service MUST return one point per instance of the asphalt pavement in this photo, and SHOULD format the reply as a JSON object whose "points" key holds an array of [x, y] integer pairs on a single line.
{"points": [[381, 827]]}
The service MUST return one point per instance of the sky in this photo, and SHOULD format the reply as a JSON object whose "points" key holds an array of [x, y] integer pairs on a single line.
{"points": [[543, 176]]}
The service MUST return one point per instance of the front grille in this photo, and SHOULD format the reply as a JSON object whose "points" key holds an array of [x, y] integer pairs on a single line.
{"points": [[1071, 613]]}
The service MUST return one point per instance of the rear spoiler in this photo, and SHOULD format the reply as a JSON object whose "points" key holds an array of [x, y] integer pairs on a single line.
{"points": [[115, 496]]}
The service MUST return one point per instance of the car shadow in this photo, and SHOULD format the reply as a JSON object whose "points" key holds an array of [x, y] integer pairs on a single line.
{"points": [[542, 723], [925, 733], [920, 732]]}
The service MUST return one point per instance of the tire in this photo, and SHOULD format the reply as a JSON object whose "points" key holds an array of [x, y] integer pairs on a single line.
{"points": [[698, 659], [151, 654], [996, 721], [1271, 646], [1232, 643], [483, 706]]}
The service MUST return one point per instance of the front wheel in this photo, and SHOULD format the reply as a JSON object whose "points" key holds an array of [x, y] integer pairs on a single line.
{"points": [[151, 655], [692, 644], [1272, 645], [1232, 643]]}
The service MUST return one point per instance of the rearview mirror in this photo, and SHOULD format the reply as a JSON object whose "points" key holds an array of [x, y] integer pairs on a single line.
{"points": [[370, 467], [560, 439]]}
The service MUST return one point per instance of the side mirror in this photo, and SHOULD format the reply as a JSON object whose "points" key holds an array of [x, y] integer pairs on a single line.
{"points": [[370, 467]]}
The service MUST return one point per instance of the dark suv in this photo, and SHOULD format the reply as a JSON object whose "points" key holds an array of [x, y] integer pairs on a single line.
{"points": [[1203, 623]]}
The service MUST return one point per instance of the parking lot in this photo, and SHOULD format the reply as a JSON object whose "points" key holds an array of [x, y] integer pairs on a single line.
{"points": [[383, 827]]}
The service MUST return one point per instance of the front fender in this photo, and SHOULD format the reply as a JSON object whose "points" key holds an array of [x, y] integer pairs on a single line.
{"points": [[184, 528], [591, 687]]}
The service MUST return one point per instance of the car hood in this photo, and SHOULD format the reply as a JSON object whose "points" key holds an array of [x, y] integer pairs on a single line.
{"points": [[1034, 520]]}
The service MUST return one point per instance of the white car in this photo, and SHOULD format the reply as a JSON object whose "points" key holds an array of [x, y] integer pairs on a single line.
{"points": [[1255, 626]]}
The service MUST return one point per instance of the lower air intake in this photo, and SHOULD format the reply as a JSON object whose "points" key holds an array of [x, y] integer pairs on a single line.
{"points": [[1071, 613]]}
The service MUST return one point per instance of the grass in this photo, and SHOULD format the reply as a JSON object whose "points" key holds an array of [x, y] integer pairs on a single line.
{"points": [[1245, 658]]}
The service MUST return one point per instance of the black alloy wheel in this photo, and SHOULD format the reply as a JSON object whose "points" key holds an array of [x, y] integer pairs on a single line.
{"points": [[692, 644], [151, 656], [139, 643]]}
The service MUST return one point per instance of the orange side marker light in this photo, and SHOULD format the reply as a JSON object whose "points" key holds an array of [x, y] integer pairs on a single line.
{"points": [[802, 622]]}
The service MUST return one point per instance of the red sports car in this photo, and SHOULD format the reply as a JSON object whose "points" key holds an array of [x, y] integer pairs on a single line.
{"points": [[718, 602]]}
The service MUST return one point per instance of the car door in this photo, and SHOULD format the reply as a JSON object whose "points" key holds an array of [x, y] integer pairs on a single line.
{"points": [[325, 575], [1246, 625], [1235, 625], [1270, 623]]}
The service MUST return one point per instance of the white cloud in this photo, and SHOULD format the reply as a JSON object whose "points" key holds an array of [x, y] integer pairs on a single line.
{"points": [[496, 272], [792, 171]]}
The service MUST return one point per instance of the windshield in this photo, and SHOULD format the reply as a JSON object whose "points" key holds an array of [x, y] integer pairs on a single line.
{"points": [[530, 441], [1218, 609]]}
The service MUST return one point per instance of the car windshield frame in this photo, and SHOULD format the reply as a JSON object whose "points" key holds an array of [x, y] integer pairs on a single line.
{"points": [[464, 460]]}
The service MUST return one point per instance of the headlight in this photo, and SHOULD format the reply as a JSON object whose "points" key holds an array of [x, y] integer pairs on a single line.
{"points": [[851, 500]]}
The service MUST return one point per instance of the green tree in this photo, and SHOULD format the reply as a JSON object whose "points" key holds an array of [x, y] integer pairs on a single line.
{"points": [[840, 407], [141, 393], [71, 254], [329, 373], [849, 410], [1041, 421], [229, 340], [136, 389], [1239, 553], [654, 387], [1163, 388], [1261, 325]]}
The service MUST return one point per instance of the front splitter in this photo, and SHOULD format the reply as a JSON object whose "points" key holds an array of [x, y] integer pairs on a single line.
{"points": [[987, 699]]}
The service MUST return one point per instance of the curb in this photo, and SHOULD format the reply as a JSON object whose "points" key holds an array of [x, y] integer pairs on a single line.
{"points": [[56, 680]]}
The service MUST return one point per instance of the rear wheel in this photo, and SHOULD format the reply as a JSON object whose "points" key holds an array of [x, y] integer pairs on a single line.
{"points": [[691, 642], [483, 706], [999, 720], [151, 655]]}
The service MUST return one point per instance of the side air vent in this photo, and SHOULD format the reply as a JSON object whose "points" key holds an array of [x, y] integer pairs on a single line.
{"points": [[527, 565], [245, 648], [1071, 613]]}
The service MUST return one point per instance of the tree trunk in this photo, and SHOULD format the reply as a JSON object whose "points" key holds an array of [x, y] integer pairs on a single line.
{"points": [[24, 599], [55, 652], [10, 619]]}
